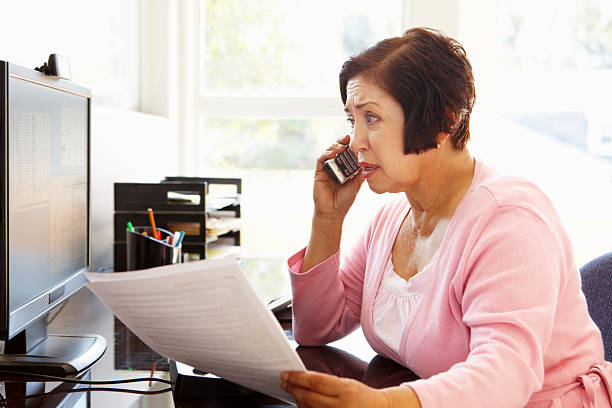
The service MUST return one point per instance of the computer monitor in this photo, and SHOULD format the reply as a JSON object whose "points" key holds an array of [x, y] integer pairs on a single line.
{"points": [[45, 216]]}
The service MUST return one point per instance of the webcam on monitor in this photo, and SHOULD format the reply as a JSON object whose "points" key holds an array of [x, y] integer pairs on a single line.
{"points": [[58, 66]]}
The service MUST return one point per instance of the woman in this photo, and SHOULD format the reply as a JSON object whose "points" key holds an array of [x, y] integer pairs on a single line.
{"points": [[468, 278]]}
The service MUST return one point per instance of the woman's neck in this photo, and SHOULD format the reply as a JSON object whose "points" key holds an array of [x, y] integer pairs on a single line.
{"points": [[436, 198]]}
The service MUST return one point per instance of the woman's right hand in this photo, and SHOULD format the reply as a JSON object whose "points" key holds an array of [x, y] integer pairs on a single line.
{"points": [[331, 199]]}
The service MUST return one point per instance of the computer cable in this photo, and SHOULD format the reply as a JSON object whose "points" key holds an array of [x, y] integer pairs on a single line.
{"points": [[108, 389], [88, 382]]}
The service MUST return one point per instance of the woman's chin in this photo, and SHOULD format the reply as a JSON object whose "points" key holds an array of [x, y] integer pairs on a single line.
{"points": [[375, 187]]}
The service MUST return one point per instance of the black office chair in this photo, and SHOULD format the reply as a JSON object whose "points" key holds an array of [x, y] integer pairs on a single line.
{"points": [[597, 288]]}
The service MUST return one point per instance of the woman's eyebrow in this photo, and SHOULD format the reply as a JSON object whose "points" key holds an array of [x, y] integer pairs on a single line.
{"points": [[361, 105]]}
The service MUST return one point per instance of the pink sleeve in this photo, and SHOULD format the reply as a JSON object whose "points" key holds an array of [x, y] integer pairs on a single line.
{"points": [[508, 295], [327, 298]]}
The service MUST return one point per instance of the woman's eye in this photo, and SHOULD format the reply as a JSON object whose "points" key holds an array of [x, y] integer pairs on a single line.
{"points": [[351, 121], [371, 119]]}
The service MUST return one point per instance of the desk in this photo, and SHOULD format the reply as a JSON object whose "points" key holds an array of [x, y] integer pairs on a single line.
{"points": [[350, 357]]}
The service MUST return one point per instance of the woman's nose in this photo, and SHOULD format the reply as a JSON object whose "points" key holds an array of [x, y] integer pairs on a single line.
{"points": [[359, 139]]}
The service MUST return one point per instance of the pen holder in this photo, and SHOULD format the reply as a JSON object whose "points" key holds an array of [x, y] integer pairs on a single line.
{"points": [[144, 251]]}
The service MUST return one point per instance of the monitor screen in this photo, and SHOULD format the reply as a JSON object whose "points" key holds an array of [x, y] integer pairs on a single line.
{"points": [[44, 194], [44, 212], [47, 188]]}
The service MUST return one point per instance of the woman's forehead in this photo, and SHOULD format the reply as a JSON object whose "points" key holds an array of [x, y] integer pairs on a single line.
{"points": [[362, 91]]}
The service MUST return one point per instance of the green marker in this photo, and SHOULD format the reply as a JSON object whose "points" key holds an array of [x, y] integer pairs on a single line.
{"points": [[130, 227]]}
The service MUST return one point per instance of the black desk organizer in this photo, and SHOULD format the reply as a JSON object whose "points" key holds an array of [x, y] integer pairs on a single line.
{"points": [[133, 199]]}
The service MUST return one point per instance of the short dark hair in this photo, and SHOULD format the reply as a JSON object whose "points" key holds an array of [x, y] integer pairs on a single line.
{"points": [[429, 74]]}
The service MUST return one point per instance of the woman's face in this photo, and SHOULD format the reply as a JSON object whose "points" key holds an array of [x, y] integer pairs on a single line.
{"points": [[378, 138]]}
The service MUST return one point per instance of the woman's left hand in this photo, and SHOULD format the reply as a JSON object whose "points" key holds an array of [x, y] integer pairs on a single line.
{"points": [[314, 389]]}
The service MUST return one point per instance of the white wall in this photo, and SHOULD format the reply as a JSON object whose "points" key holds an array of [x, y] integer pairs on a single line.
{"points": [[101, 40], [439, 14], [126, 147]]}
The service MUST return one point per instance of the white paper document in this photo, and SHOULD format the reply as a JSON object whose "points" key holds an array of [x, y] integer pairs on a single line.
{"points": [[204, 314]]}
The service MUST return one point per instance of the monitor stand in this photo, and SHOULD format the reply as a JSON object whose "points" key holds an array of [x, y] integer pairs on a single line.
{"points": [[33, 351]]}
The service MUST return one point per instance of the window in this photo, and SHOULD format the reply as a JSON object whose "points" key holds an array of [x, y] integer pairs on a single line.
{"points": [[555, 78], [295, 47], [269, 103]]}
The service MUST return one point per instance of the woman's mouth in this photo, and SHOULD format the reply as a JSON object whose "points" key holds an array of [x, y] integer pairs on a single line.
{"points": [[367, 169]]}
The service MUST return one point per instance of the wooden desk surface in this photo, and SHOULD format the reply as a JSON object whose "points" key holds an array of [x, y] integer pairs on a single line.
{"points": [[126, 357]]}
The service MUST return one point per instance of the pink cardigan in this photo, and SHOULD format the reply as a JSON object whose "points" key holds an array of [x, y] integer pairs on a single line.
{"points": [[504, 325]]}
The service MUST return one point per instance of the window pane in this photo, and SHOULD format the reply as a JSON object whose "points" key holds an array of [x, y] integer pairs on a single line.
{"points": [[268, 143], [556, 35], [554, 80], [287, 46], [275, 160]]}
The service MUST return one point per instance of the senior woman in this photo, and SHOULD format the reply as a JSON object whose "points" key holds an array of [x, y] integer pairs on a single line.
{"points": [[467, 278]]}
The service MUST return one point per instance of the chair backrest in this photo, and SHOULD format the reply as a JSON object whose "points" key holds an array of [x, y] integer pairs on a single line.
{"points": [[597, 288]]}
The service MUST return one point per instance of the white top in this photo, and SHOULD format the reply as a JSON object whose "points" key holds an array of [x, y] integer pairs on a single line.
{"points": [[397, 300]]}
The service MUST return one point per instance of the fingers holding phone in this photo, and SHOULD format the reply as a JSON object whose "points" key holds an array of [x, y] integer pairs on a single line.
{"points": [[343, 167], [336, 184]]}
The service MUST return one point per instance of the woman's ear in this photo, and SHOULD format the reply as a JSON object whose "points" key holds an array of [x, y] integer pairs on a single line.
{"points": [[442, 138], [450, 126]]}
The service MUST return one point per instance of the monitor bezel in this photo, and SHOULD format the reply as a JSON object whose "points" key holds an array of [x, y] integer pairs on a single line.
{"points": [[13, 322]]}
